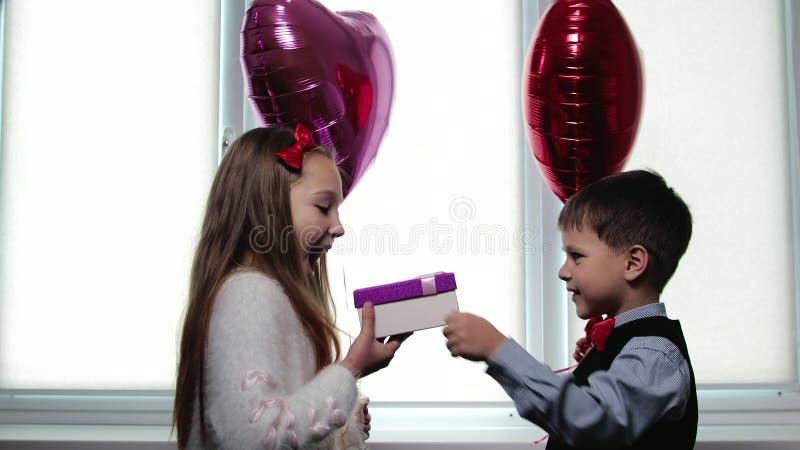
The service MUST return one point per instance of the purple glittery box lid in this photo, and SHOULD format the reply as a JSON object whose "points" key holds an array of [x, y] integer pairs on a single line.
{"points": [[402, 290]]}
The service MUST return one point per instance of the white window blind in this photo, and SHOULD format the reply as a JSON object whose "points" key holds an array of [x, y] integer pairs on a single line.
{"points": [[714, 124], [108, 148], [445, 190], [109, 132]]}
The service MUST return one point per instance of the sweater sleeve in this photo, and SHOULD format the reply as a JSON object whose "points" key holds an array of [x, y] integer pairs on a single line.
{"points": [[254, 359]]}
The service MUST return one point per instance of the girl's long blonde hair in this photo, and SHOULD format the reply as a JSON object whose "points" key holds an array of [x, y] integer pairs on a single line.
{"points": [[248, 215]]}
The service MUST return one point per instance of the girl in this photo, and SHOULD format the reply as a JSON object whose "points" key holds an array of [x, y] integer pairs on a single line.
{"points": [[259, 360]]}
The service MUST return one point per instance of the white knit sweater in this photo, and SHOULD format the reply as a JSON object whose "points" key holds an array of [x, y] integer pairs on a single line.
{"points": [[261, 390]]}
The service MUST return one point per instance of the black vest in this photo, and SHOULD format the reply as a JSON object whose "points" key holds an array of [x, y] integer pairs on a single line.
{"points": [[679, 434]]}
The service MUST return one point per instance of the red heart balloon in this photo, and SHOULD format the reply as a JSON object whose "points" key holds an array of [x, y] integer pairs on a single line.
{"points": [[332, 72], [583, 94]]}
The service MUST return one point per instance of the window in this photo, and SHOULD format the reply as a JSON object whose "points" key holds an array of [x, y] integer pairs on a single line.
{"points": [[715, 124], [108, 149], [445, 190]]}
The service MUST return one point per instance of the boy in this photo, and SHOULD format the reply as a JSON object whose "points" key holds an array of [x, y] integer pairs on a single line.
{"points": [[623, 236]]}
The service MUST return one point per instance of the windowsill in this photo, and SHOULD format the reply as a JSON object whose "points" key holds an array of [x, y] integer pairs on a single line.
{"points": [[746, 419], [159, 436]]}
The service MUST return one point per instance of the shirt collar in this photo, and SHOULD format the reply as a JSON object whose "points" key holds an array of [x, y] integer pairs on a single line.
{"points": [[648, 310]]}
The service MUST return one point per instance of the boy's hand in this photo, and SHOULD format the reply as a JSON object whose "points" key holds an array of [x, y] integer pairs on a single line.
{"points": [[471, 337], [582, 347]]}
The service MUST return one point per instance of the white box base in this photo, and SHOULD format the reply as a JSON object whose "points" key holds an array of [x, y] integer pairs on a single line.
{"points": [[413, 314]]}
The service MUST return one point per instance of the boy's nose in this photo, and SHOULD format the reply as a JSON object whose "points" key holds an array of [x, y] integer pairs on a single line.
{"points": [[563, 273]]}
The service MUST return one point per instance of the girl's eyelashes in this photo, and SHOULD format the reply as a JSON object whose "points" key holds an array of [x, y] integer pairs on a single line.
{"points": [[323, 209]]}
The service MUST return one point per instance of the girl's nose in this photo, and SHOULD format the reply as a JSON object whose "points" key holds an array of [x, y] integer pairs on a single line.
{"points": [[336, 230]]}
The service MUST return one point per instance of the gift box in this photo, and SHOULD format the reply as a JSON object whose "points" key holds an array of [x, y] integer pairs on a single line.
{"points": [[410, 305]]}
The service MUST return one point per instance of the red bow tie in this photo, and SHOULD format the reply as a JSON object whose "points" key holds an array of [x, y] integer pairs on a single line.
{"points": [[597, 331]]}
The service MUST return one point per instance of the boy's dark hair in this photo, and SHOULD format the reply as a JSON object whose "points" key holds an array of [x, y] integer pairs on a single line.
{"points": [[630, 208]]}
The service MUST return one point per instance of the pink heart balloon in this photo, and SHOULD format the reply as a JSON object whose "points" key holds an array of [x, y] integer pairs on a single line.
{"points": [[583, 94], [332, 72]]}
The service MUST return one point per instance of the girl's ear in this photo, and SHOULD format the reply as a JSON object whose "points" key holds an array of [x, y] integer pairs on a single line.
{"points": [[636, 262]]}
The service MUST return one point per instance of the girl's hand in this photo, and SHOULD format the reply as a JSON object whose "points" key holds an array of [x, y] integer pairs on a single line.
{"points": [[367, 420], [367, 354], [471, 337]]}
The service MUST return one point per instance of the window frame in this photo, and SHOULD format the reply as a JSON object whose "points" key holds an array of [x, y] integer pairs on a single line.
{"points": [[791, 36], [737, 412]]}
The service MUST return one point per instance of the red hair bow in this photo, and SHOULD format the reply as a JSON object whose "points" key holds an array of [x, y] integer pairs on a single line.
{"points": [[304, 141]]}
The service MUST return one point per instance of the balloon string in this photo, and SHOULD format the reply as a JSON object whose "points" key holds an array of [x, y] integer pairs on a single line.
{"points": [[565, 369]]}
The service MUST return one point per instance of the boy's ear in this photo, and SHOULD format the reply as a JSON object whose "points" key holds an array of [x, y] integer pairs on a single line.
{"points": [[636, 262]]}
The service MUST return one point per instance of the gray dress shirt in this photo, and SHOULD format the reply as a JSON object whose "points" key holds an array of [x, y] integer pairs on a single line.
{"points": [[648, 382]]}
